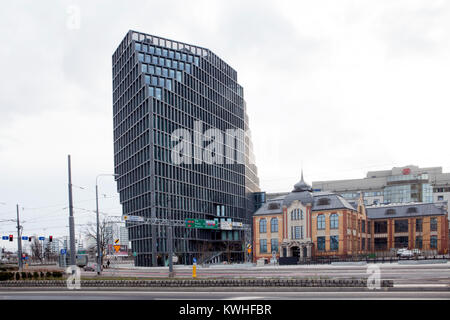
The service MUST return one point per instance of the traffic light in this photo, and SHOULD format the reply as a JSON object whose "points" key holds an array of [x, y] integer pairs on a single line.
{"points": [[50, 238], [29, 239], [10, 237]]}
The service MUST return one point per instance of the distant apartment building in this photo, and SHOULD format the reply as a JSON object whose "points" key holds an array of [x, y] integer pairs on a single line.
{"points": [[398, 185]]}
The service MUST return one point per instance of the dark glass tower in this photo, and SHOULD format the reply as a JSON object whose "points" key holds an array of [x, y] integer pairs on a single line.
{"points": [[160, 87]]}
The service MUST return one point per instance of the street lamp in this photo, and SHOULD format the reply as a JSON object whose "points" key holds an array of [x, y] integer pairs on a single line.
{"points": [[99, 253]]}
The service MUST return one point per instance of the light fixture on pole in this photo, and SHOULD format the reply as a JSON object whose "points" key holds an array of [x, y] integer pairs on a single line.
{"points": [[99, 252]]}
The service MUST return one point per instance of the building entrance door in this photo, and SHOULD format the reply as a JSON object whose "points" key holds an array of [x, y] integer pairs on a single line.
{"points": [[295, 252]]}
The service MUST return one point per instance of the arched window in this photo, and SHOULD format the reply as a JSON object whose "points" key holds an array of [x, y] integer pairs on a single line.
{"points": [[274, 225], [262, 226], [334, 222], [321, 222]]}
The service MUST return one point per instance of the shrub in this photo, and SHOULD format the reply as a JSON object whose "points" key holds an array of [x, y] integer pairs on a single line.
{"points": [[17, 276], [48, 274], [4, 276], [23, 275], [42, 275], [57, 274], [35, 275], [29, 275]]}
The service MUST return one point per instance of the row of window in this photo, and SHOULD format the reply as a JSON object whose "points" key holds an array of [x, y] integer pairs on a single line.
{"points": [[152, 64], [402, 225], [168, 73], [297, 214], [334, 243], [297, 232], [167, 53], [273, 225], [334, 221], [381, 244], [273, 245]]}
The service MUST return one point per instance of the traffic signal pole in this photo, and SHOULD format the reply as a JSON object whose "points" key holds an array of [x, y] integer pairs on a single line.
{"points": [[19, 241]]}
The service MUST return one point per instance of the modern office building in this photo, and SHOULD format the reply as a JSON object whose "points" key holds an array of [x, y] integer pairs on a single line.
{"points": [[182, 148], [398, 185]]}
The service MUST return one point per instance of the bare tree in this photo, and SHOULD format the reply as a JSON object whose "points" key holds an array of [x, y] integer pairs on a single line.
{"points": [[36, 250], [105, 236]]}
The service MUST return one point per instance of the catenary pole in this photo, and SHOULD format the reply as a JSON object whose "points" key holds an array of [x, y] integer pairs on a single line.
{"points": [[19, 241], [71, 219]]}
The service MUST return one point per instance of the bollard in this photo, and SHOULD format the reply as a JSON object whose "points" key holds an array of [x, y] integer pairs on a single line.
{"points": [[194, 270]]}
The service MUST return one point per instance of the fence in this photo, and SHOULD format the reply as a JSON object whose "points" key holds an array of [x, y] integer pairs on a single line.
{"points": [[367, 259]]}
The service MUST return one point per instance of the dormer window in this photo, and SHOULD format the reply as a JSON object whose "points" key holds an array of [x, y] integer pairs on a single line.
{"points": [[274, 206], [390, 211], [412, 210], [323, 202]]}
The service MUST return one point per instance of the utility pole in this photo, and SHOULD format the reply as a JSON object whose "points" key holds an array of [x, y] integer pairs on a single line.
{"points": [[170, 240], [99, 251], [19, 241], [71, 220]]}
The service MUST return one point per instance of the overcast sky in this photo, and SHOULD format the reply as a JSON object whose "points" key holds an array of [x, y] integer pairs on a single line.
{"points": [[343, 87]]}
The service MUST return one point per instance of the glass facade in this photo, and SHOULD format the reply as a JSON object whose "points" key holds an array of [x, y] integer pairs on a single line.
{"points": [[159, 86]]}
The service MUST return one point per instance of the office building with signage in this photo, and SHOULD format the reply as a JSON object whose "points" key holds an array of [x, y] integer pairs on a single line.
{"points": [[160, 87], [400, 184]]}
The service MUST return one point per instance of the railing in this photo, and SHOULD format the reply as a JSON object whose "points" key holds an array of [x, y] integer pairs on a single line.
{"points": [[384, 259], [206, 259]]}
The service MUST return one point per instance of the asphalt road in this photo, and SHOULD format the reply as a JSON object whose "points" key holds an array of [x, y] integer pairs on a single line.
{"points": [[194, 295]]}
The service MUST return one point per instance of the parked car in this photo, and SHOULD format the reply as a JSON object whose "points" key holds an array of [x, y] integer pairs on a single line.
{"points": [[416, 252], [90, 267], [405, 253]]}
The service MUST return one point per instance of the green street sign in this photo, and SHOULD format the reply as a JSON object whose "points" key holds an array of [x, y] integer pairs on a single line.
{"points": [[134, 254], [201, 224]]}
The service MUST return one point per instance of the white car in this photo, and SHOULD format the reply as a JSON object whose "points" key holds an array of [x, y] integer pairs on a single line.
{"points": [[405, 253]]}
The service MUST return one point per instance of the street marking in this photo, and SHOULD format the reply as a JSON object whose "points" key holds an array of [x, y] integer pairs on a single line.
{"points": [[431, 285]]}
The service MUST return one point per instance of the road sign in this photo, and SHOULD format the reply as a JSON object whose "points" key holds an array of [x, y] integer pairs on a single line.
{"points": [[195, 260], [24, 238], [116, 241], [42, 238], [175, 259], [63, 251], [237, 224], [5, 238], [134, 254], [226, 225], [117, 248], [201, 224], [133, 218]]}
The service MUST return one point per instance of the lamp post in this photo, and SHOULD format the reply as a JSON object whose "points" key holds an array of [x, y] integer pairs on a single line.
{"points": [[99, 253]]}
